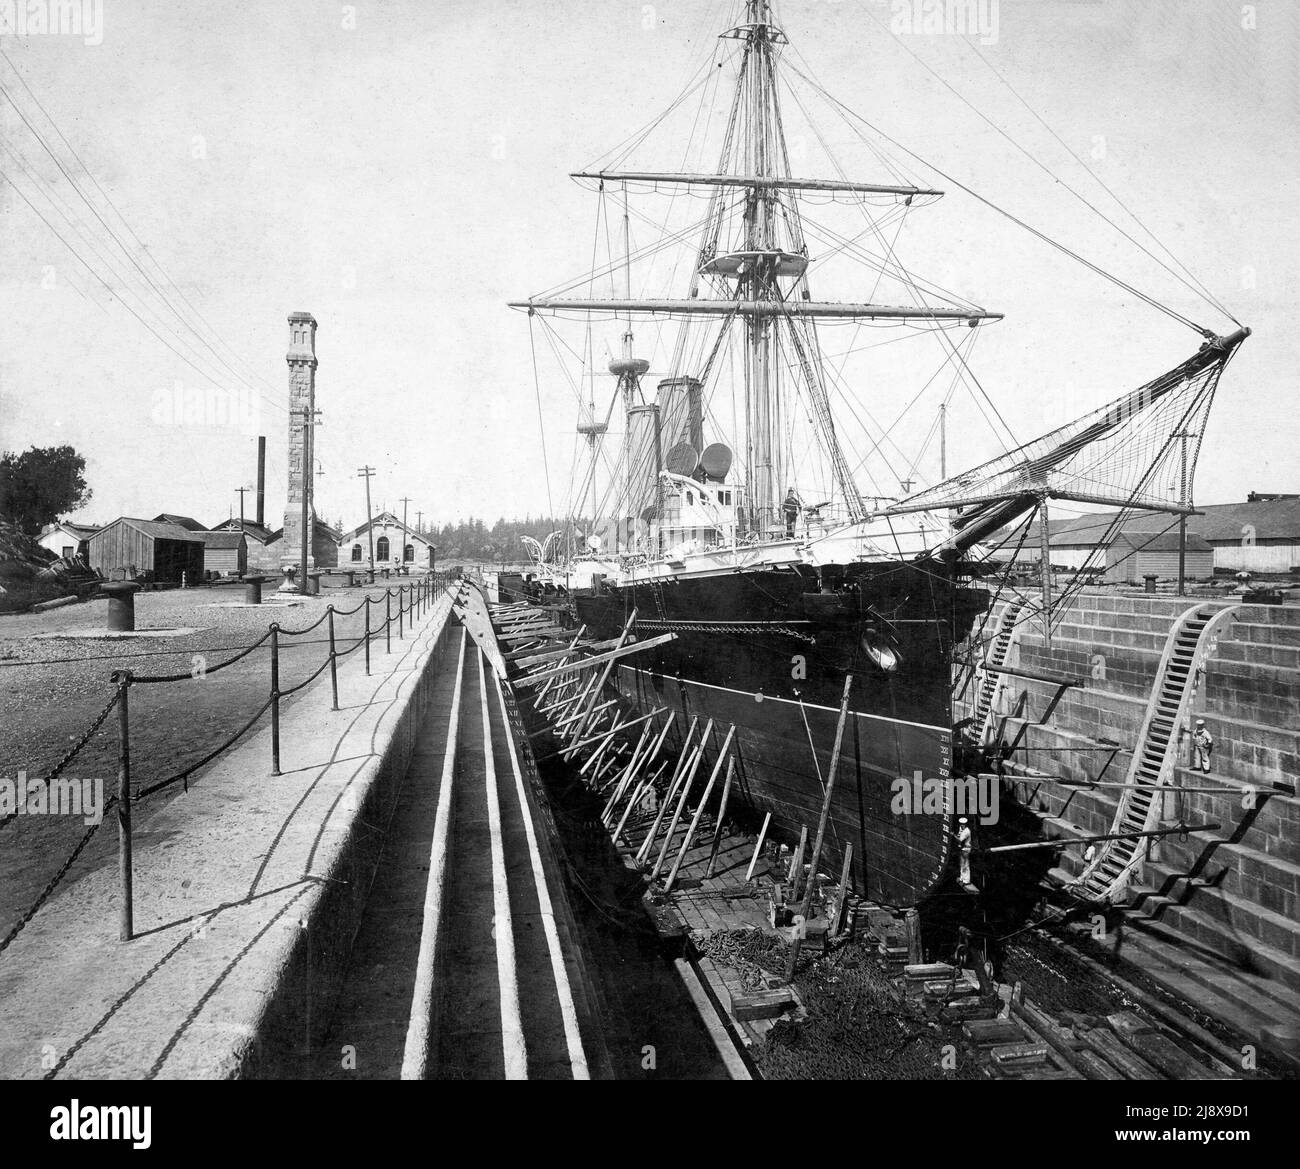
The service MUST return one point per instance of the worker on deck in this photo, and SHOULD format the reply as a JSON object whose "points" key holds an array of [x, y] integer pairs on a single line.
{"points": [[791, 507], [1202, 746]]}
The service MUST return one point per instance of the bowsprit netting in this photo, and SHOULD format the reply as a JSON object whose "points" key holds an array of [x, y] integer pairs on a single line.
{"points": [[1138, 451]]}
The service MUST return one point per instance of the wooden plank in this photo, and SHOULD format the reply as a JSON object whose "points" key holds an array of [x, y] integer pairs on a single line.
{"points": [[928, 971], [596, 660], [1096, 1068], [1019, 1053], [1108, 1046], [760, 1004], [993, 1032], [1041, 1029]]}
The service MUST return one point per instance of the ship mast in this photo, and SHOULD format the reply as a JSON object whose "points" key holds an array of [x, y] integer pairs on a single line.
{"points": [[763, 444], [757, 265], [628, 370]]}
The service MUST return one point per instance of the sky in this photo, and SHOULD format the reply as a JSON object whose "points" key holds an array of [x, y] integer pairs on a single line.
{"points": [[400, 170]]}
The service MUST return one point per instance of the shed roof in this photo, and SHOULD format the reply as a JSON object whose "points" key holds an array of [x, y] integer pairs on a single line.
{"points": [[253, 531], [1162, 542], [154, 528], [184, 521], [222, 539]]}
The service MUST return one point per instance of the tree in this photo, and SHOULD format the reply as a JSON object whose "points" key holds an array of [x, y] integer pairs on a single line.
{"points": [[39, 485]]}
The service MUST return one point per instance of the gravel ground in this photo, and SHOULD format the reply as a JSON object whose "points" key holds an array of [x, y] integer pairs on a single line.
{"points": [[52, 689]]}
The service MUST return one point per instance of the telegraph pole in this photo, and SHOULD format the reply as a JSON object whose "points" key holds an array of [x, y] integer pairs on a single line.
{"points": [[367, 473], [309, 424], [241, 491], [419, 522], [405, 500]]}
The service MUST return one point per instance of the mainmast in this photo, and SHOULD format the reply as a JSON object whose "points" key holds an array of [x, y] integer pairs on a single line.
{"points": [[763, 438], [751, 270]]}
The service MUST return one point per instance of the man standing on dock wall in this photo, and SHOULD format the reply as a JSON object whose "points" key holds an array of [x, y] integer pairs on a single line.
{"points": [[1202, 746]]}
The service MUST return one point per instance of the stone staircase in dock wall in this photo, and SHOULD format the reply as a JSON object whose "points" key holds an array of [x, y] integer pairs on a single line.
{"points": [[1232, 894]]}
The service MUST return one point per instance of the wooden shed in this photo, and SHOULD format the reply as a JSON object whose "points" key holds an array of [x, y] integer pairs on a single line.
{"points": [[224, 553], [131, 547], [1135, 554]]}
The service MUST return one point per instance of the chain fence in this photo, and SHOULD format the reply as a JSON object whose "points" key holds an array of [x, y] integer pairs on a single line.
{"points": [[413, 600]]}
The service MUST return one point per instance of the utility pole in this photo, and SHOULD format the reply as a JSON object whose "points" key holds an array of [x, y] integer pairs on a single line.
{"points": [[310, 421], [404, 501], [241, 491], [367, 473]]}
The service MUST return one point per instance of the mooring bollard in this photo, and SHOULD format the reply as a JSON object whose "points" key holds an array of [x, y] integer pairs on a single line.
{"points": [[334, 661], [288, 585], [121, 605], [275, 699], [253, 589], [125, 919]]}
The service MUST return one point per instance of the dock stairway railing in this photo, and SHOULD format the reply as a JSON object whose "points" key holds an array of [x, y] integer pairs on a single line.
{"points": [[988, 672], [1190, 643]]}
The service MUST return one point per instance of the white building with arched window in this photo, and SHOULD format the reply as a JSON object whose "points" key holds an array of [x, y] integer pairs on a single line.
{"points": [[395, 543]]}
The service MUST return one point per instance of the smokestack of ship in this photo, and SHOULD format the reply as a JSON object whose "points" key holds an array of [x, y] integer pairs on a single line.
{"points": [[261, 480]]}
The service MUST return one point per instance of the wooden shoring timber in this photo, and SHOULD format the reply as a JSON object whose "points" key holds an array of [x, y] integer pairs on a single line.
{"points": [[638, 793], [536, 633], [842, 892], [644, 851], [608, 657], [576, 697], [627, 775], [659, 741], [609, 665], [648, 759], [572, 645], [795, 871], [524, 622], [723, 753], [681, 803], [597, 738], [594, 757], [561, 722], [609, 764], [722, 812], [821, 824], [526, 659], [758, 847]]}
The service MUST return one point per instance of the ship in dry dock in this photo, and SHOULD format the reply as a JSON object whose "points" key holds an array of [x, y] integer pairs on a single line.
{"points": [[734, 519]]}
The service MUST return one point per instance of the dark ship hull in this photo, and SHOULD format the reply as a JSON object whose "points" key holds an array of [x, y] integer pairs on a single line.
{"points": [[768, 651]]}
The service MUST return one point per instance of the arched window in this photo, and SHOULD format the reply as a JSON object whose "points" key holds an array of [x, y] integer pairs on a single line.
{"points": [[356, 551], [381, 548], [409, 553]]}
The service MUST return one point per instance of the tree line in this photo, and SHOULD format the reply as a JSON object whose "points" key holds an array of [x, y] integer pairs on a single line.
{"points": [[502, 543]]}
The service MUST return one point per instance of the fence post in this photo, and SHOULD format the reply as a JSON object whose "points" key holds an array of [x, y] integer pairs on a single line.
{"points": [[388, 621], [401, 612], [334, 664], [366, 614], [275, 699], [126, 921]]}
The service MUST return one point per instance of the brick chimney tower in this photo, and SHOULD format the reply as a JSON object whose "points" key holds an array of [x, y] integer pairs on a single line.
{"points": [[302, 395]]}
